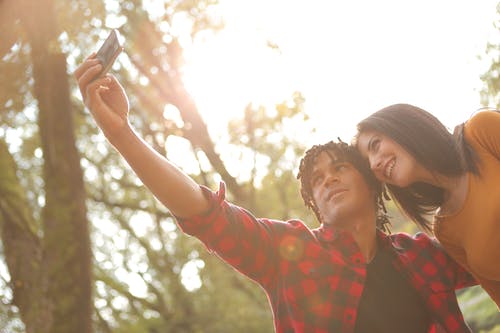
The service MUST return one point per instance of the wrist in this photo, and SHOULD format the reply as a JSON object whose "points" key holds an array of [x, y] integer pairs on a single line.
{"points": [[121, 136]]}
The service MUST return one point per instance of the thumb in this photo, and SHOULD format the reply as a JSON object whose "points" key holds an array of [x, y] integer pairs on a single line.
{"points": [[113, 82], [92, 92]]}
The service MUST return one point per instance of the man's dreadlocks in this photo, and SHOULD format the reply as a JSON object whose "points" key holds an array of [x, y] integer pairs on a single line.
{"points": [[341, 151]]}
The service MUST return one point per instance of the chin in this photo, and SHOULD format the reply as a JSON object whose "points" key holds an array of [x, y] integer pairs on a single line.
{"points": [[402, 183], [398, 182], [337, 220]]}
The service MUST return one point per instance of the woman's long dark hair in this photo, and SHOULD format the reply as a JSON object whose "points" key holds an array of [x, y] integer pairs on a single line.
{"points": [[432, 145]]}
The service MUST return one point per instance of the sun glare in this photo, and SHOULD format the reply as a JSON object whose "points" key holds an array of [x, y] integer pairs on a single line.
{"points": [[348, 59], [226, 71]]}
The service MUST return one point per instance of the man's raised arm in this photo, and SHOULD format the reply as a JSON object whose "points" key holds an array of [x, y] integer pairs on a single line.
{"points": [[108, 104]]}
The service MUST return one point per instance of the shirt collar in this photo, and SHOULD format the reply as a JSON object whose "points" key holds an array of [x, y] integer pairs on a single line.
{"points": [[329, 234]]}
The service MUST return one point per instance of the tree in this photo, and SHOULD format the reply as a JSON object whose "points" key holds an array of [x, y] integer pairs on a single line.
{"points": [[63, 189], [50, 299], [49, 275], [490, 94]]}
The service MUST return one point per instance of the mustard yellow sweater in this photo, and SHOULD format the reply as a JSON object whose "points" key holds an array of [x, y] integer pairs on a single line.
{"points": [[472, 235]]}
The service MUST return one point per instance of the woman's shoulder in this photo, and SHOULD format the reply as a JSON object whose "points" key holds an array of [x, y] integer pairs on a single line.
{"points": [[482, 118], [483, 125]]}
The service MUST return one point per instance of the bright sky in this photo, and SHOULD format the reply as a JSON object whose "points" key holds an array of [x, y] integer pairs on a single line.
{"points": [[348, 58]]}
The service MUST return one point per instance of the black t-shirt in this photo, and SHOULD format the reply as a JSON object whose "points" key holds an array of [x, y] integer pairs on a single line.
{"points": [[389, 303]]}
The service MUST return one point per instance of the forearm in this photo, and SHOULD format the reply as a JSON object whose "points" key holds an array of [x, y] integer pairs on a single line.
{"points": [[108, 104], [176, 190]]}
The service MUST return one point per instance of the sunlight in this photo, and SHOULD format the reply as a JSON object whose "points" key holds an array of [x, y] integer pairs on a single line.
{"points": [[227, 71], [190, 274], [348, 59]]}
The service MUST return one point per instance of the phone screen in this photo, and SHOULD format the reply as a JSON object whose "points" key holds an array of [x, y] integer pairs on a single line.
{"points": [[108, 52]]}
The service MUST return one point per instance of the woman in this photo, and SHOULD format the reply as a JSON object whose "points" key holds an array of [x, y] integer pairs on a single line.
{"points": [[455, 177]]}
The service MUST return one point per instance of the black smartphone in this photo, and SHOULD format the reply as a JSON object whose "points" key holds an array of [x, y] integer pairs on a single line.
{"points": [[108, 52]]}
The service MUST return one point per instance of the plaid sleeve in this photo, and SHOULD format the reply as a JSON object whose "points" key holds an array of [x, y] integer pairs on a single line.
{"points": [[235, 235], [433, 264], [458, 276]]}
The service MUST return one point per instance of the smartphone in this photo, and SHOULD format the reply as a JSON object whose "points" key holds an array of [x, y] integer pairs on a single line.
{"points": [[108, 52]]}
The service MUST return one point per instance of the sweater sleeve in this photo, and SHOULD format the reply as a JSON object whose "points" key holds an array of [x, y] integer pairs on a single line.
{"points": [[484, 129]]}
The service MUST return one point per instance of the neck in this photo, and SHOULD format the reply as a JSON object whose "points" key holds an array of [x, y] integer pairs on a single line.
{"points": [[455, 193], [452, 185], [364, 233], [447, 183], [366, 238]]}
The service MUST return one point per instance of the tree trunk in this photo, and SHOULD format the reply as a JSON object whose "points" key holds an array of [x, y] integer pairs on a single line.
{"points": [[66, 243], [7, 22], [22, 249]]}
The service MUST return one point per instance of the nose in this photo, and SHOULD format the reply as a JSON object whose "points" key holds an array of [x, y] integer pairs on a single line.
{"points": [[331, 178]]}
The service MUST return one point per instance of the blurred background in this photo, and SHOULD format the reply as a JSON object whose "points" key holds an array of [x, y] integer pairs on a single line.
{"points": [[229, 90]]}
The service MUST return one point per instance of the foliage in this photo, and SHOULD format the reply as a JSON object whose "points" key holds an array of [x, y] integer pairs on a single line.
{"points": [[490, 94], [141, 260], [148, 276], [479, 310], [485, 314]]}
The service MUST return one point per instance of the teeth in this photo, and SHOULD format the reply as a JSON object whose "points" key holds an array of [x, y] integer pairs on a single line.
{"points": [[390, 167]]}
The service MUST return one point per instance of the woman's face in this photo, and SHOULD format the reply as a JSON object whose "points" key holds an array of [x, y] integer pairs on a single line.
{"points": [[390, 162]]}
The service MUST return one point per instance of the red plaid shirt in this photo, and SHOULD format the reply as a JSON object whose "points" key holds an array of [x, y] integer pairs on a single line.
{"points": [[314, 278]]}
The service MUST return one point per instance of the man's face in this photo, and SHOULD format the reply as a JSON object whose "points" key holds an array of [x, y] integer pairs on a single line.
{"points": [[339, 191]]}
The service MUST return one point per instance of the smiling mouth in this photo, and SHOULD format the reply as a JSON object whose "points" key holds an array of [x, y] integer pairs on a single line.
{"points": [[388, 168]]}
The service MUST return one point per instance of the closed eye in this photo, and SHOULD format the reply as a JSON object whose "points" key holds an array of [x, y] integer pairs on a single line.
{"points": [[374, 144]]}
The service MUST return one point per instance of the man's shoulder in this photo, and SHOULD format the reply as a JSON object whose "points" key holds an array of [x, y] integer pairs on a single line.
{"points": [[420, 239], [291, 225]]}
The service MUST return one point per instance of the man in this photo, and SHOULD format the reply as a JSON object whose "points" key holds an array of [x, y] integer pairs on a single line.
{"points": [[345, 276]]}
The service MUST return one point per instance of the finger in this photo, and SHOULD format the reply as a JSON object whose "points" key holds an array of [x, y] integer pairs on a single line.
{"points": [[91, 56], [94, 98], [113, 81], [97, 97], [87, 77], [92, 87], [84, 66]]}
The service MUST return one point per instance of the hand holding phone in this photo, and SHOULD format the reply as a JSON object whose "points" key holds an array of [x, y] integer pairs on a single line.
{"points": [[108, 52]]}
